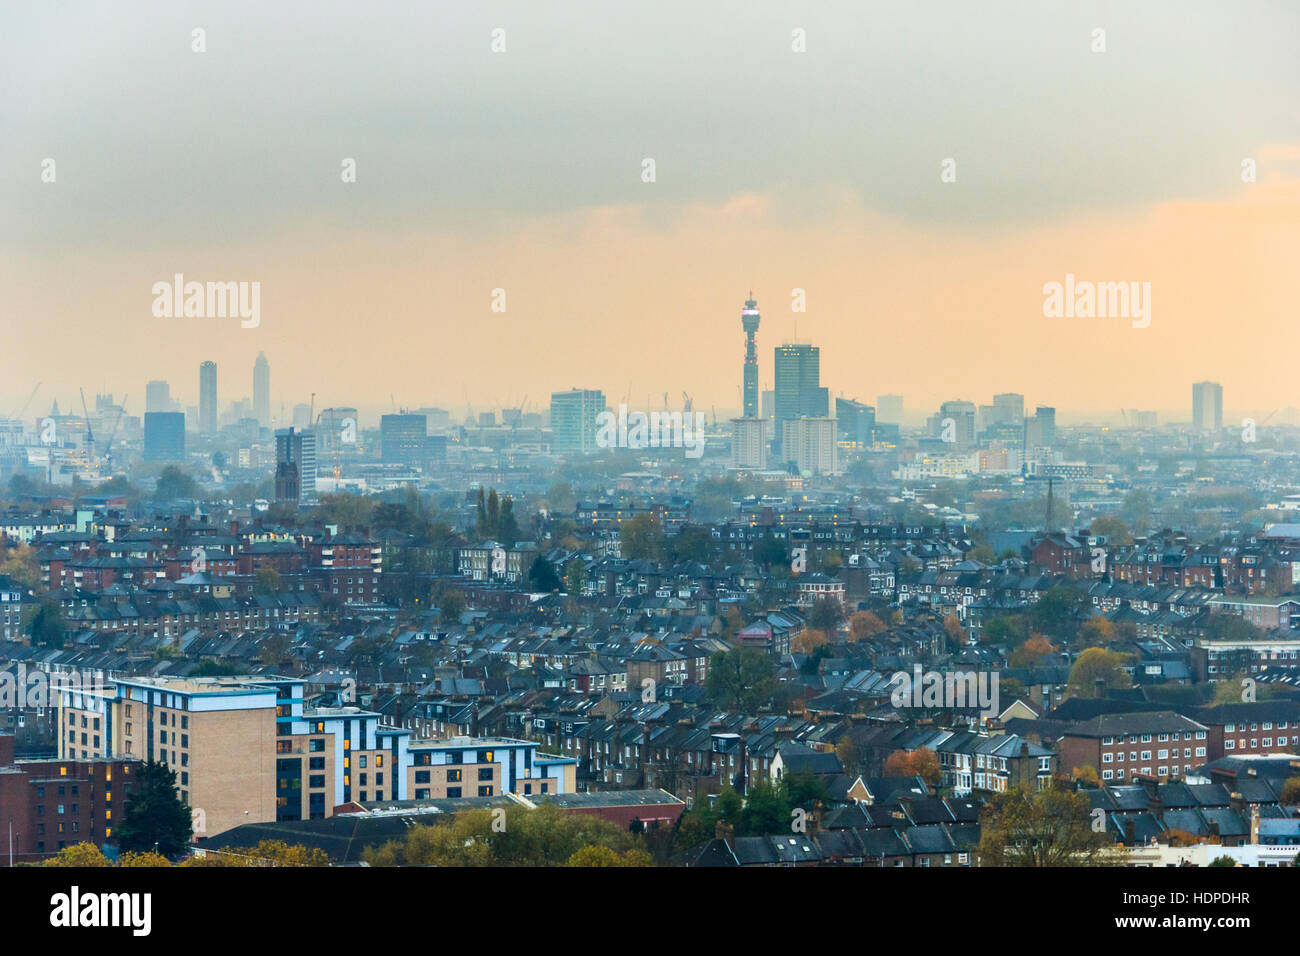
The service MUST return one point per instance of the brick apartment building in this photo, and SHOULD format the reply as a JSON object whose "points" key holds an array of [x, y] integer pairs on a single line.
{"points": [[49, 804], [1160, 744]]}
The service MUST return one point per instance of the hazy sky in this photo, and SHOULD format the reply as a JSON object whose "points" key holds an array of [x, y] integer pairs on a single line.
{"points": [[775, 170]]}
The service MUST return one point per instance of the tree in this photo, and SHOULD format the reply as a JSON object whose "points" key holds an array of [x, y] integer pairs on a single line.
{"points": [[766, 810], [641, 537], [45, 623], [1114, 530], [769, 551], [956, 633], [826, 614], [808, 640], [575, 576], [740, 679], [1224, 861], [542, 576], [451, 605], [1223, 626], [600, 855], [1086, 774], [1044, 828], [20, 563], [1291, 791], [1098, 631], [174, 484], [922, 762], [267, 580], [275, 649], [266, 853], [1032, 652], [154, 817], [865, 624], [79, 855], [1097, 664], [1006, 629], [560, 498], [510, 836], [1057, 612]]}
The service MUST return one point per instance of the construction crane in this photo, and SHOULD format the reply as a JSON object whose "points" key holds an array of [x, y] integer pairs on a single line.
{"points": [[690, 403], [108, 448], [19, 413], [90, 435]]}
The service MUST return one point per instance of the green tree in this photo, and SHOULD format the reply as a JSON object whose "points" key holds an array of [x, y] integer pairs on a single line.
{"points": [[267, 580], [641, 537], [1096, 664], [46, 623], [154, 817], [542, 576], [826, 614], [741, 679], [575, 576], [1057, 614], [1043, 828], [174, 484]]}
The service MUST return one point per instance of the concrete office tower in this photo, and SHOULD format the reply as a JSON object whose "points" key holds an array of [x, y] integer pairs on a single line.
{"points": [[403, 439], [961, 431], [164, 436], [262, 390], [157, 397], [1207, 406], [208, 398], [1041, 429], [302, 416], [1008, 407], [295, 466], [857, 422], [797, 384], [749, 443], [889, 409], [749, 318], [573, 420], [810, 444]]}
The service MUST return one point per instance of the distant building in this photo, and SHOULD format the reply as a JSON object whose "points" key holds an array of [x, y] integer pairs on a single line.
{"points": [[1041, 429], [810, 444], [857, 422], [157, 397], [889, 409], [749, 319], [49, 804], [295, 466], [1207, 406], [262, 391], [208, 398], [403, 439], [749, 443], [799, 393], [164, 436], [573, 420]]}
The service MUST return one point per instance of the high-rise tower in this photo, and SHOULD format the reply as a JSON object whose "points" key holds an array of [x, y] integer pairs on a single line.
{"points": [[749, 319], [208, 398], [262, 390]]}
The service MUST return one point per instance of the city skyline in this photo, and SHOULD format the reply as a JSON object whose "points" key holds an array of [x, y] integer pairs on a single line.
{"points": [[908, 274]]}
